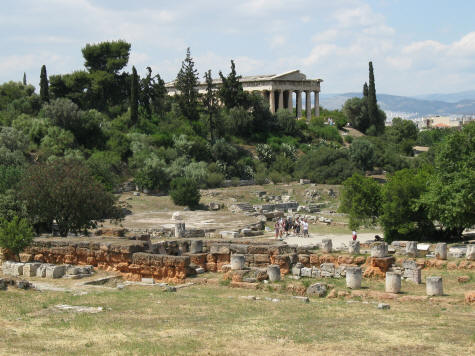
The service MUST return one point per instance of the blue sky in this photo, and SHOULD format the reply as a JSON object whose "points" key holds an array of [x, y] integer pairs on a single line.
{"points": [[417, 46]]}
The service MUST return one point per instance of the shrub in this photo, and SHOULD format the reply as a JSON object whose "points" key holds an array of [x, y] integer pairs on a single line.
{"points": [[362, 154], [348, 139], [185, 192], [153, 175], [66, 191], [15, 235], [361, 199], [325, 165], [105, 165], [265, 153], [286, 121], [224, 151], [10, 176], [214, 180]]}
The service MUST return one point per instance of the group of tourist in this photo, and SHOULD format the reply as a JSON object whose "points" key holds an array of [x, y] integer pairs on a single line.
{"points": [[284, 226]]}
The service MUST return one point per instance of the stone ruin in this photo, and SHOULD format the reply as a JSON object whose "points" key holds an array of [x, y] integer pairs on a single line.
{"points": [[45, 270], [244, 262], [174, 260]]}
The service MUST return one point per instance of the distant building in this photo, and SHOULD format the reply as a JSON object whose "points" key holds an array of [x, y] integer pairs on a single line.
{"points": [[277, 89]]}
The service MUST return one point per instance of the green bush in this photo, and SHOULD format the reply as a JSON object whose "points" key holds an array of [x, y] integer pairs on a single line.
{"points": [[348, 139], [325, 165], [15, 235], [185, 192], [214, 180]]}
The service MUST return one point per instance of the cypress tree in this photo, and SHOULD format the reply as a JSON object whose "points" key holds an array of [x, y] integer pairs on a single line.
{"points": [[372, 103], [365, 90], [186, 83], [44, 89], [24, 78], [210, 103], [134, 97]]}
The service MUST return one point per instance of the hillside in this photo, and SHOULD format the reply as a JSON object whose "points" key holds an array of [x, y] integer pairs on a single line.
{"points": [[421, 106]]}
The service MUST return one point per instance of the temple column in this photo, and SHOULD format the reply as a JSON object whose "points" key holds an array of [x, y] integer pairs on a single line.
{"points": [[272, 101], [316, 102], [308, 105], [299, 103], [290, 103], [281, 99]]}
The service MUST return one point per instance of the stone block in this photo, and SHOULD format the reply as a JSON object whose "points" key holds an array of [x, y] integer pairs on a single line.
{"points": [[41, 271], [409, 264], [354, 247], [219, 249], [379, 249], [411, 248], [317, 289], [258, 250], [353, 277], [413, 275], [470, 255], [296, 271], [229, 234], [458, 251], [301, 299], [180, 230], [148, 280], [200, 270], [238, 248], [30, 269], [327, 270], [273, 271], [196, 246], [441, 251], [316, 272], [304, 259], [306, 272], [261, 258], [26, 257], [393, 282], [55, 271], [17, 269], [434, 286], [237, 262], [327, 245], [7, 268]]}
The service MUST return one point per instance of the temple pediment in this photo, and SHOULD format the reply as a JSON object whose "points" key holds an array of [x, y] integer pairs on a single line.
{"points": [[292, 75]]}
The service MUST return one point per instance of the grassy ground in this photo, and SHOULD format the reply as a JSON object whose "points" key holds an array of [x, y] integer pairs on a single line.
{"points": [[213, 320]]}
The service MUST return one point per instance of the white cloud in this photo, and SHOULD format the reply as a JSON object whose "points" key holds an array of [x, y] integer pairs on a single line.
{"points": [[277, 41]]}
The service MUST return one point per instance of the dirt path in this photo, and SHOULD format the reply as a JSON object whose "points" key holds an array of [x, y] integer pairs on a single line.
{"points": [[337, 239]]}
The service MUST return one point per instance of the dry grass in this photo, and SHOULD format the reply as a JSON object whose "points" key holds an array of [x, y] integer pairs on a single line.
{"points": [[213, 320]]}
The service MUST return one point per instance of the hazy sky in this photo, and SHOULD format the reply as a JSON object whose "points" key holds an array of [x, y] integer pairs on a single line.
{"points": [[417, 46]]}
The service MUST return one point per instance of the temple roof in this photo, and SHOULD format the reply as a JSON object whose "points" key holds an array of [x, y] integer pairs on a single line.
{"points": [[293, 75]]}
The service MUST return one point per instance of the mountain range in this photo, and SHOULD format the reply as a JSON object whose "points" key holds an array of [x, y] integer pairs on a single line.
{"points": [[461, 103]]}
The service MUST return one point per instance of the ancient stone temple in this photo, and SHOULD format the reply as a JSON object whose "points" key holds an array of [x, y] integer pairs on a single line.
{"points": [[278, 90]]}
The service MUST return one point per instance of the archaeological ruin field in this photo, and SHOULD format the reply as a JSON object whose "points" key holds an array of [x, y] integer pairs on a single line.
{"points": [[213, 291]]}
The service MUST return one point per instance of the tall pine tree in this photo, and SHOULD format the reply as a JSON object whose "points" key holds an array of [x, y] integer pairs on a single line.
{"points": [[231, 92], [372, 103], [186, 83], [134, 97], [44, 85], [211, 104], [24, 78]]}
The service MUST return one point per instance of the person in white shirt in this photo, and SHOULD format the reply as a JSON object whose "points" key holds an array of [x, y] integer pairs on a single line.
{"points": [[305, 228]]}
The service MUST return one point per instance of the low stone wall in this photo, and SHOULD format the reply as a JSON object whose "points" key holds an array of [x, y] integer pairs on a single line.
{"points": [[177, 259], [125, 256]]}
